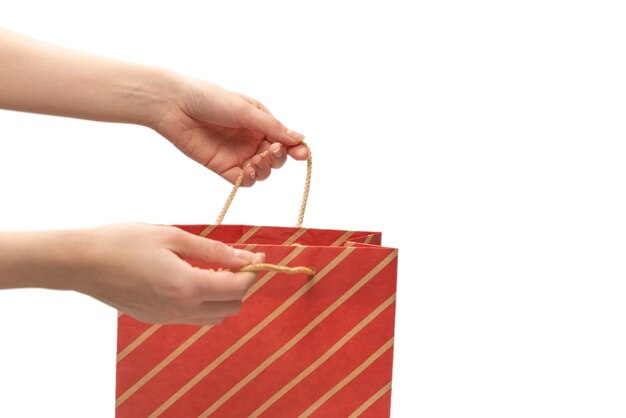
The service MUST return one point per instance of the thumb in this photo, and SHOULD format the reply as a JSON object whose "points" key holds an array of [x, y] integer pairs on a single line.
{"points": [[257, 120], [198, 248]]}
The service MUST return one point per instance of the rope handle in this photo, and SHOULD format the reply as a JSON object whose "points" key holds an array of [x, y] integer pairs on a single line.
{"points": [[276, 268], [305, 195], [309, 271]]}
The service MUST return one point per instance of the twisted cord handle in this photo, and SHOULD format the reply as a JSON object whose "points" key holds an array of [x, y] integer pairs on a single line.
{"points": [[279, 269], [305, 195]]}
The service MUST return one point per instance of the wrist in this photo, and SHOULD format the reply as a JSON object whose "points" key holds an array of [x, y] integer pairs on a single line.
{"points": [[150, 92]]}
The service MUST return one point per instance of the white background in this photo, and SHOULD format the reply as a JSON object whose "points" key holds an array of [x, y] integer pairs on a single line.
{"points": [[484, 138]]}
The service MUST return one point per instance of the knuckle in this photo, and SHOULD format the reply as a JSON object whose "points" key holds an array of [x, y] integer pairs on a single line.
{"points": [[219, 249], [244, 111], [275, 124], [172, 234], [244, 108], [177, 299], [179, 294], [185, 295], [256, 103]]}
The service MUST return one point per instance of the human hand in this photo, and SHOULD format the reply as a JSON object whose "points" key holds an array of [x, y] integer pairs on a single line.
{"points": [[140, 270], [223, 130], [217, 128]]}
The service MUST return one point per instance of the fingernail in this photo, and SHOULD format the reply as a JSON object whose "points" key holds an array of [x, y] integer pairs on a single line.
{"points": [[245, 256], [295, 135], [278, 152], [252, 175], [260, 257]]}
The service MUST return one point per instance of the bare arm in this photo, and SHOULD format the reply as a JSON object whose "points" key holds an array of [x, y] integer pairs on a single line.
{"points": [[140, 269], [43, 78], [217, 128]]}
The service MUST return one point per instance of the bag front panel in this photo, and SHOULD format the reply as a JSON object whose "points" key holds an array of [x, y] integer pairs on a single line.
{"points": [[298, 342]]}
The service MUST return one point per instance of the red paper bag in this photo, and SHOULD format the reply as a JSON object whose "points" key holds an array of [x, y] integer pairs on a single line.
{"points": [[301, 346]]}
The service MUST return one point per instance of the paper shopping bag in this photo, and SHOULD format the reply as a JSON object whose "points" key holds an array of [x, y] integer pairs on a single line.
{"points": [[302, 345]]}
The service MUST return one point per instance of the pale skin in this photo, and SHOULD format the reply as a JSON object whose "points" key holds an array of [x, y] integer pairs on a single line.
{"points": [[136, 268]]}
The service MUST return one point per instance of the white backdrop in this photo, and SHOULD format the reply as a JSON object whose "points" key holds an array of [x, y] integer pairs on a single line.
{"points": [[485, 139]]}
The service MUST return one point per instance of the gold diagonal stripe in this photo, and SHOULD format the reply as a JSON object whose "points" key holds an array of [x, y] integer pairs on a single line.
{"points": [[369, 318], [368, 239], [299, 336], [348, 378], [251, 333], [371, 401], [342, 238], [143, 337], [248, 234], [134, 388], [295, 236], [264, 279], [206, 231]]}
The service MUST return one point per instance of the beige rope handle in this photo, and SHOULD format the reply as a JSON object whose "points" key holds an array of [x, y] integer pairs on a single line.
{"points": [[279, 269], [305, 195]]}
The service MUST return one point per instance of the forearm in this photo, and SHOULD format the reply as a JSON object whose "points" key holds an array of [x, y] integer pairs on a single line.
{"points": [[139, 269], [49, 259], [42, 78]]}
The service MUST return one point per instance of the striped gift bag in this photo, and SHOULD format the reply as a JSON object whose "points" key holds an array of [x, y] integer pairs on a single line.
{"points": [[316, 342]]}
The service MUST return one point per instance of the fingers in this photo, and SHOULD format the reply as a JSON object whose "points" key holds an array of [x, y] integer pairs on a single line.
{"points": [[277, 155], [261, 166], [254, 102], [249, 177], [221, 294], [213, 313], [198, 248], [214, 286], [225, 285], [260, 121], [299, 152]]}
